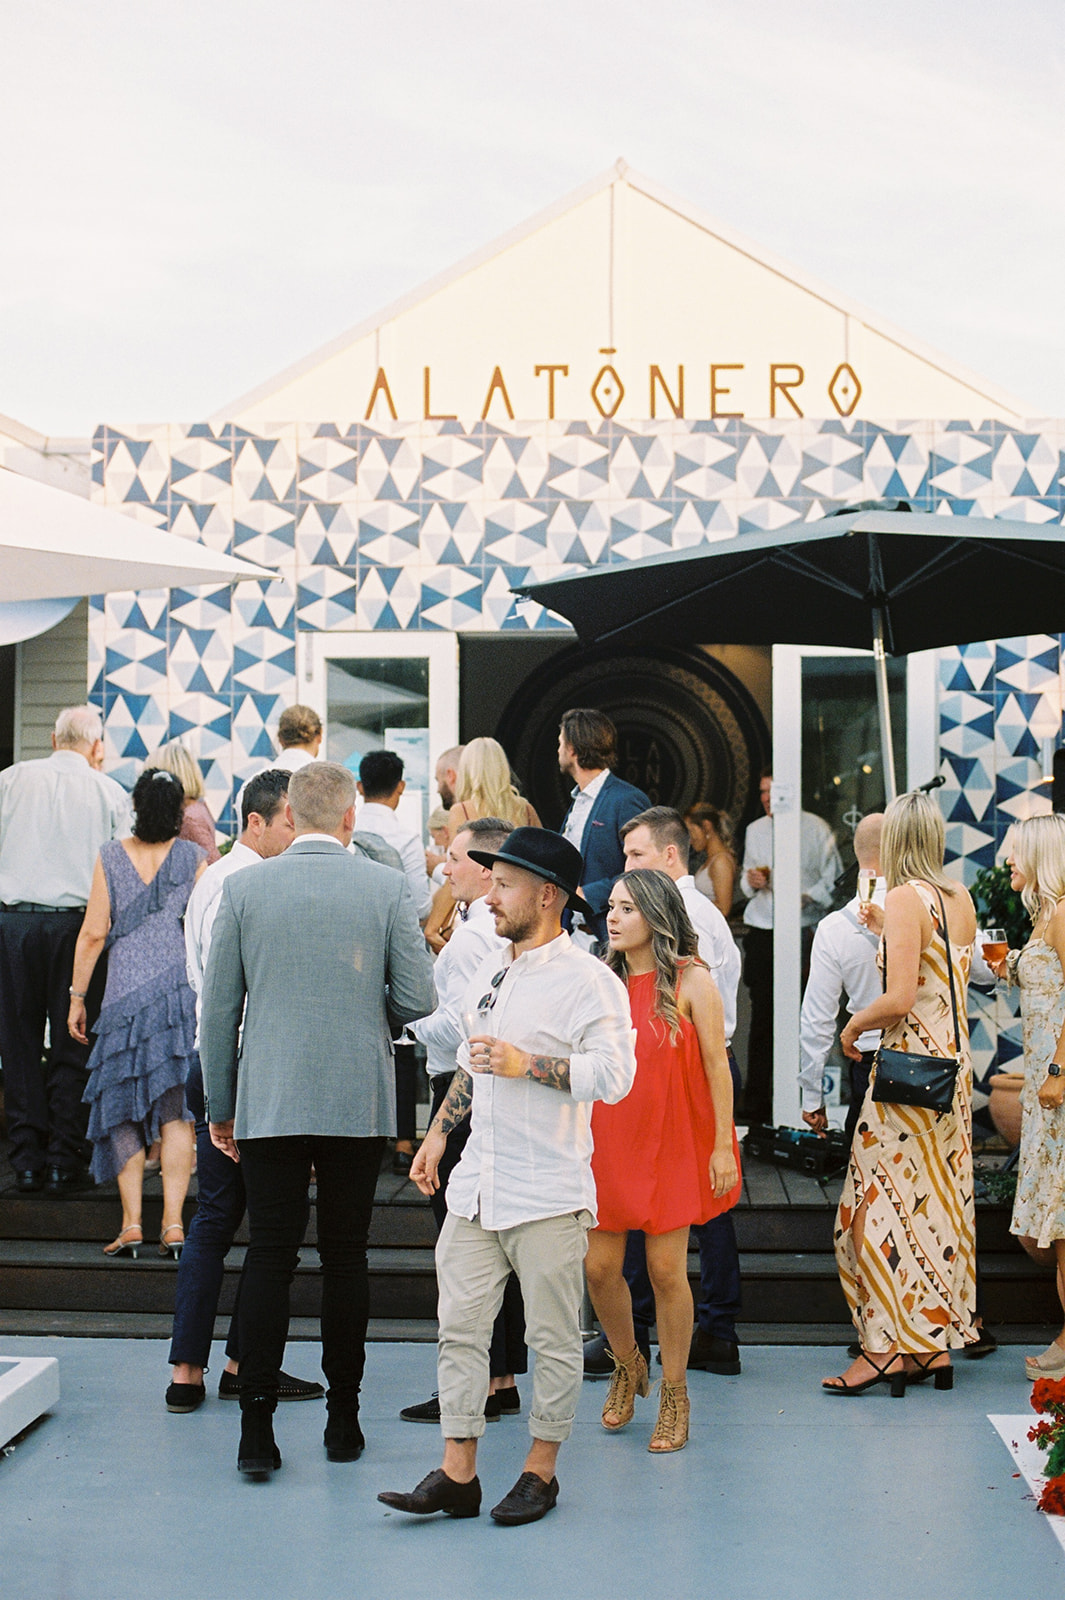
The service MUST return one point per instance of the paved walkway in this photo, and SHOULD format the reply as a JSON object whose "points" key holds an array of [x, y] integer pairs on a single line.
{"points": [[782, 1492]]}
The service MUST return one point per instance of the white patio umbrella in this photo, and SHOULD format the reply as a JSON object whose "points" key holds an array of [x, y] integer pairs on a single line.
{"points": [[55, 545]]}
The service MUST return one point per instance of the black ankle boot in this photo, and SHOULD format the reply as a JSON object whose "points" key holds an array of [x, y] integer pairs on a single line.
{"points": [[343, 1436], [258, 1455]]}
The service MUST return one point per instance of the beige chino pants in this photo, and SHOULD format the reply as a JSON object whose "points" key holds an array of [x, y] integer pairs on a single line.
{"points": [[472, 1267]]}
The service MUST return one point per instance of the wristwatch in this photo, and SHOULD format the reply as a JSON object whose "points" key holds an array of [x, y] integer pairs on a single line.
{"points": [[1054, 1070]]}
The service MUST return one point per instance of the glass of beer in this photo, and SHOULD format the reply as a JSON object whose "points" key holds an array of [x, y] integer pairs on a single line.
{"points": [[994, 946], [866, 885]]}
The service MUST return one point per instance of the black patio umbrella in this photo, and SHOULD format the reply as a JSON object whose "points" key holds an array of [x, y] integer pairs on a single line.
{"points": [[877, 576]]}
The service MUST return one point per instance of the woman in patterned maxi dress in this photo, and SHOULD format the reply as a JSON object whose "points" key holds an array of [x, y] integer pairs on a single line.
{"points": [[1037, 862], [905, 1236]]}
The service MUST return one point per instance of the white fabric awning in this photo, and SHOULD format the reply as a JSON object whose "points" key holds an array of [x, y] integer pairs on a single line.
{"points": [[55, 545]]}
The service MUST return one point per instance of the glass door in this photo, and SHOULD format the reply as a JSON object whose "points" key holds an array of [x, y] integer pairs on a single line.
{"points": [[827, 762], [393, 691]]}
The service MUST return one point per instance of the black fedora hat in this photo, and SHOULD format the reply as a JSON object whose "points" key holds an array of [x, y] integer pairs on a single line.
{"points": [[547, 854]]}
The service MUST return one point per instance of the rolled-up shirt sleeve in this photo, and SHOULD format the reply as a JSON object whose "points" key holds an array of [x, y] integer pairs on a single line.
{"points": [[603, 1064]]}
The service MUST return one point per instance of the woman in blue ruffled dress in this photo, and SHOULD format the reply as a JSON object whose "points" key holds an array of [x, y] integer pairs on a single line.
{"points": [[145, 1035]]}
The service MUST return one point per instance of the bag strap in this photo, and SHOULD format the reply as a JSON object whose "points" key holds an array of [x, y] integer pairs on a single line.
{"points": [[944, 933]]}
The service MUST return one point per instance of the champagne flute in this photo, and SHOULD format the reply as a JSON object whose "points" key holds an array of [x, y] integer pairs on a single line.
{"points": [[994, 945], [866, 885]]}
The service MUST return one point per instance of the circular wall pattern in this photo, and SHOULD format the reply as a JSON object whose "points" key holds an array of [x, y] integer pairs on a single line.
{"points": [[688, 729]]}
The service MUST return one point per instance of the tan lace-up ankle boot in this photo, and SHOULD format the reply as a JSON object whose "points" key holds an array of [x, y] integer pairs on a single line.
{"points": [[630, 1379], [674, 1409]]}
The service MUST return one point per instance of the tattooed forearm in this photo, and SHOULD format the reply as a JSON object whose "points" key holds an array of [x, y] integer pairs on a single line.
{"points": [[553, 1071], [457, 1103]]}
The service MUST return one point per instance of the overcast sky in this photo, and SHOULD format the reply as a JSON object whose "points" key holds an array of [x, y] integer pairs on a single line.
{"points": [[197, 194]]}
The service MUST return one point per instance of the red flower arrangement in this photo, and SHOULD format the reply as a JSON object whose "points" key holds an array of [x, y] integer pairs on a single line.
{"points": [[1048, 1397]]}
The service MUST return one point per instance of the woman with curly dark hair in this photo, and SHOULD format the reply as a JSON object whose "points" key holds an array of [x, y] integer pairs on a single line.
{"points": [[147, 1026], [665, 1156]]}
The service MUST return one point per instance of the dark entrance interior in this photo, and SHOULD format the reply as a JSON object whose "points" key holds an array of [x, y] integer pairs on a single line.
{"points": [[688, 729]]}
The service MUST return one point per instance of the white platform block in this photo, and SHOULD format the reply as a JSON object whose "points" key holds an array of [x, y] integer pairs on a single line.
{"points": [[29, 1386]]}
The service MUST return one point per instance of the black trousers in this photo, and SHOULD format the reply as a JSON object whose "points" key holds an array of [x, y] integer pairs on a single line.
{"points": [[406, 1064], [46, 1119], [507, 1352], [758, 976], [277, 1174], [859, 1085]]}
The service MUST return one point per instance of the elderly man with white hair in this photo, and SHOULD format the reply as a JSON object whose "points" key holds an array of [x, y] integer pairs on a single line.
{"points": [[55, 814]]}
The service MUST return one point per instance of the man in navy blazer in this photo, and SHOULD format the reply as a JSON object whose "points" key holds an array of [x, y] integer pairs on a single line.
{"points": [[602, 804]]}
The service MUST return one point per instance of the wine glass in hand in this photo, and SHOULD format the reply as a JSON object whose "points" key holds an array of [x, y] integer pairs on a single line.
{"points": [[994, 946]]}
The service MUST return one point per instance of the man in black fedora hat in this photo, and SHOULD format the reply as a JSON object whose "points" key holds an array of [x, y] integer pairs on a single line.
{"points": [[550, 1032]]}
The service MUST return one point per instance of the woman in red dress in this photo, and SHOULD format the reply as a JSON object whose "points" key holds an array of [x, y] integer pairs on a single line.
{"points": [[666, 1156]]}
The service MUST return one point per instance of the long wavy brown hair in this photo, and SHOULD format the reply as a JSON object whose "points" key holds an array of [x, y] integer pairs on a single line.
{"points": [[673, 939]]}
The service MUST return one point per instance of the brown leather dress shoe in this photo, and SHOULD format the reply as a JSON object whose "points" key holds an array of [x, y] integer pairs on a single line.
{"points": [[437, 1492], [529, 1500]]}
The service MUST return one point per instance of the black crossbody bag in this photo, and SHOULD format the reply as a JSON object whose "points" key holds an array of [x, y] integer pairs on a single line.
{"points": [[905, 1079]]}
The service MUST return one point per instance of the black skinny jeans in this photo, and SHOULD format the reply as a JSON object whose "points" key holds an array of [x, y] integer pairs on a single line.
{"points": [[277, 1175]]}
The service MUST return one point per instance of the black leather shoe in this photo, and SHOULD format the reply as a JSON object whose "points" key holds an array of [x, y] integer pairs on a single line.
{"points": [[504, 1403], [343, 1436], [185, 1397], [986, 1345], [288, 1388], [65, 1180], [429, 1410], [401, 1163], [437, 1492], [597, 1360], [529, 1500], [28, 1180], [257, 1455], [708, 1354]]}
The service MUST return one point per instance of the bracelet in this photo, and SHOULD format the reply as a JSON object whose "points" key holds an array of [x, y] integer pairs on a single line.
{"points": [[78, 994]]}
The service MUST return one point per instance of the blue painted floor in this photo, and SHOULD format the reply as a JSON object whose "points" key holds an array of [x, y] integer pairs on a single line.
{"points": [[783, 1492]]}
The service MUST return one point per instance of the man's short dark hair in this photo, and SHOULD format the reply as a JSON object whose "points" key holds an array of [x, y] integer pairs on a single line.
{"points": [[591, 736], [264, 794], [489, 833], [380, 773], [665, 826]]}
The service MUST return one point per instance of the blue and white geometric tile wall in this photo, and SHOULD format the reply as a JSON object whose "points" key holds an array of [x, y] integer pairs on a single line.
{"points": [[427, 525]]}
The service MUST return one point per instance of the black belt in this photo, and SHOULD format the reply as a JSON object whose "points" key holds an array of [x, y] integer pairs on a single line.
{"points": [[30, 905]]}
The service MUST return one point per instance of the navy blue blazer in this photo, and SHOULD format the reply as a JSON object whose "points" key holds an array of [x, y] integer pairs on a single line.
{"points": [[604, 857]]}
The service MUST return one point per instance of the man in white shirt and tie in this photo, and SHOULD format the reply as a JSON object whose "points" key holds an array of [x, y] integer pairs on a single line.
{"points": [[553, 1034]]}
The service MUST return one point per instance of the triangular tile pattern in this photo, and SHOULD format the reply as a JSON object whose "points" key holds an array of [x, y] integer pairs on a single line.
{"points": [[400, 526]]}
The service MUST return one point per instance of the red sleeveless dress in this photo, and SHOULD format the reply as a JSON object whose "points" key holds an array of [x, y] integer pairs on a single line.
{"points": [[652, 1150]]}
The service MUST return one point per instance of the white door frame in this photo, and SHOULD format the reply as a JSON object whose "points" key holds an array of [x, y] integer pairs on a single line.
{"points": [[922, 763], [440, 648]]}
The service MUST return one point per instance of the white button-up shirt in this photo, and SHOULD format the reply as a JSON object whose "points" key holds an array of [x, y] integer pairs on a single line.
{"points": [[291, 759], [473, 942], [529, 1154], [842, 963], [202, 910], [819, 869], [374, 817], [717, 947], [581, 809], [54, 816]]}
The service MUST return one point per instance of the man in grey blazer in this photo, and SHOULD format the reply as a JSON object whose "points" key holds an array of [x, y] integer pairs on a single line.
{"points": [[319, 954]]}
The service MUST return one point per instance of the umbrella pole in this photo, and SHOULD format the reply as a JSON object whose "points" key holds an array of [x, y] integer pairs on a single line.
{"points": [[883, 704]]}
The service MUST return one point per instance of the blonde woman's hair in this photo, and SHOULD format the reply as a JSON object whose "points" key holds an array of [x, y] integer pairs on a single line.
{"points": [[1037, 845], [912, 842], [175, 759], [485, 783]]}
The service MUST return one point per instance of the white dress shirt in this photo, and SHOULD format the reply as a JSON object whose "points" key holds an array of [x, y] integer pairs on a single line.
{"points": [[292, 759], [54, 816], [819, 870], [529, 1154], [202, 910], [375, 817], [842, 963], [717, 947], [581, 809], [473, 942]]}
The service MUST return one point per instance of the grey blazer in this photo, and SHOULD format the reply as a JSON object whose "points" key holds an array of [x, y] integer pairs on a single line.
{"points": [[326, 950]]}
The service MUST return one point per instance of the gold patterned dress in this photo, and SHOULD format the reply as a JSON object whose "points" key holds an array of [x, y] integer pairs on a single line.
{"points": [[1039, 1209], [913, 1282]]}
